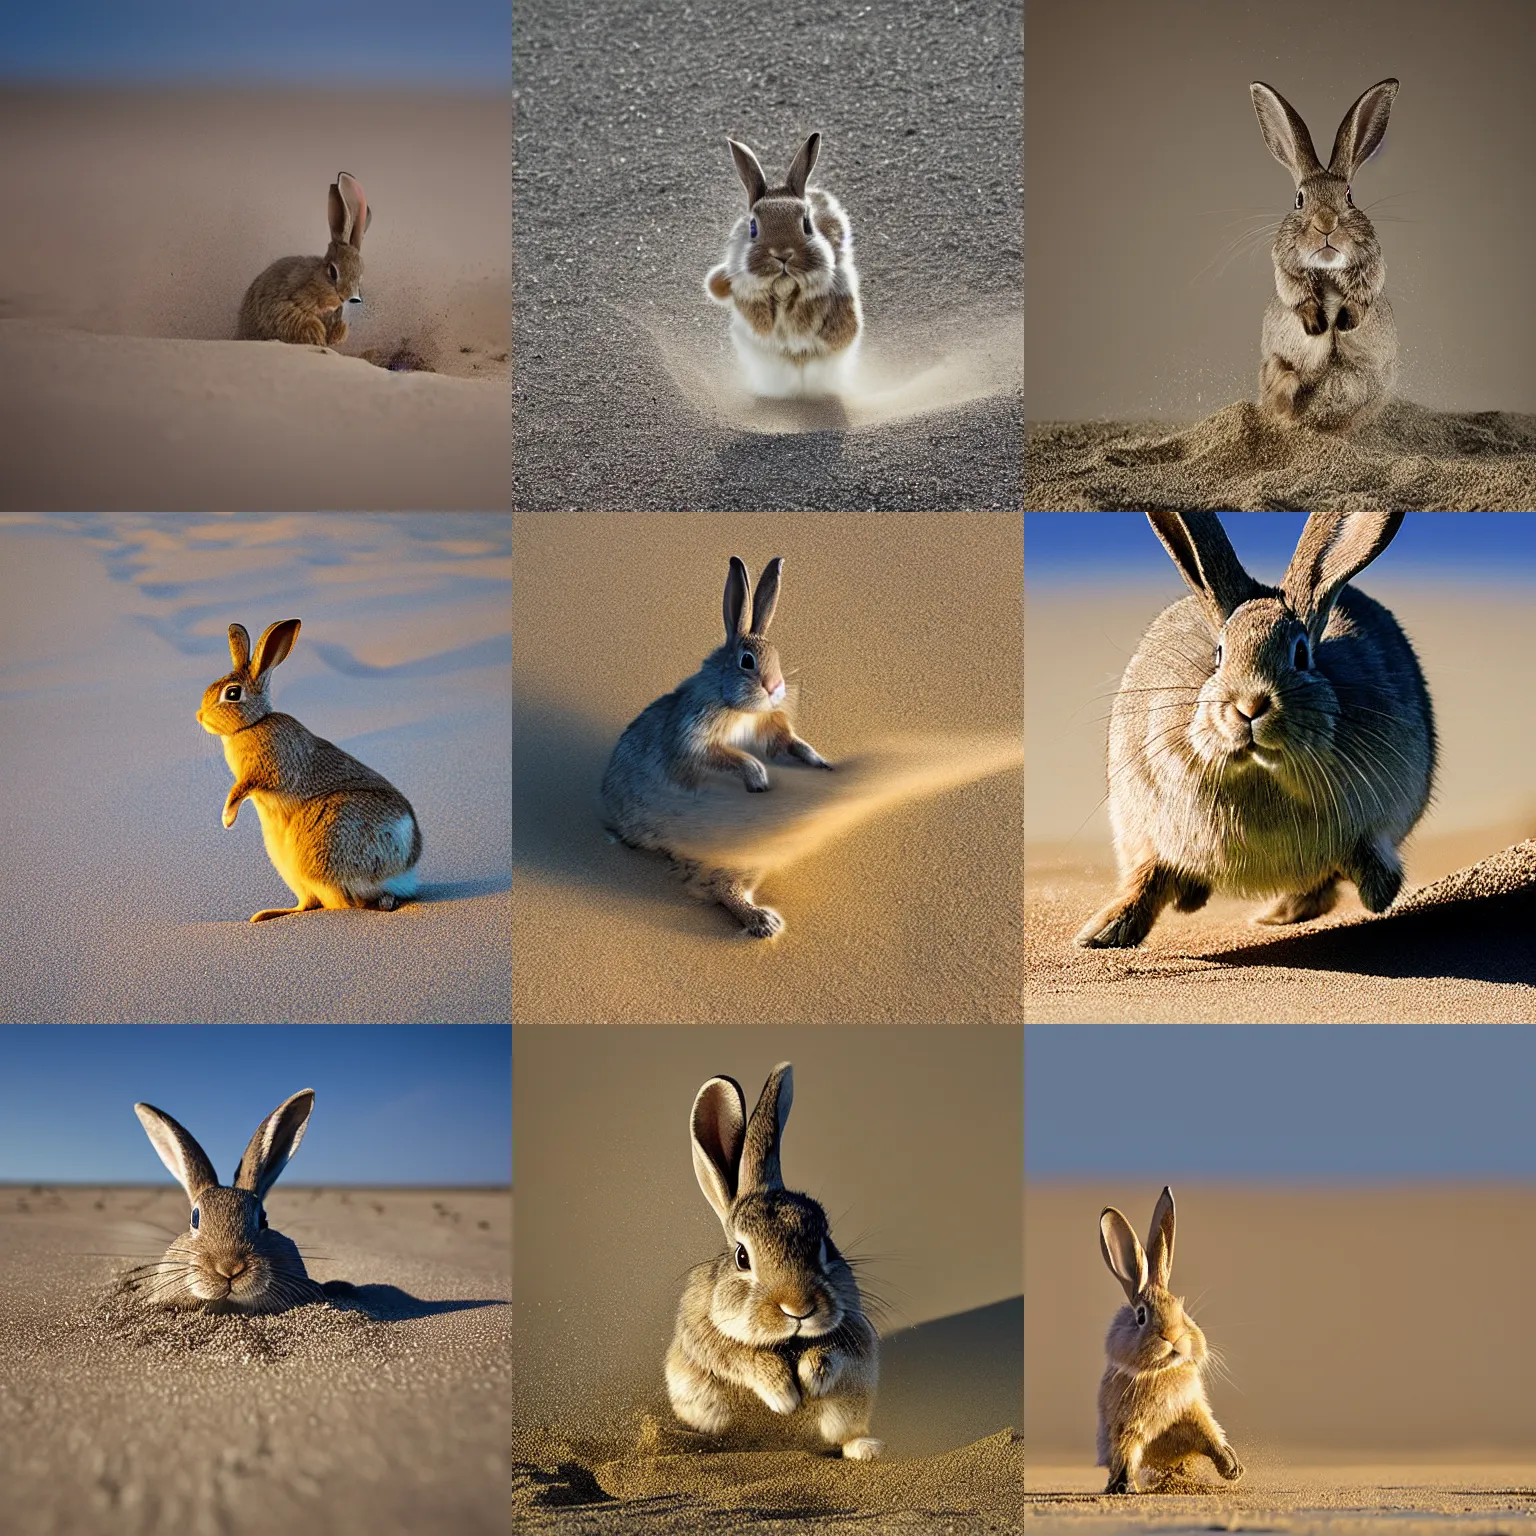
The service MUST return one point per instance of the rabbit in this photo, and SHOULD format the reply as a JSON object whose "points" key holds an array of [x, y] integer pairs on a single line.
{"points": [[727, 718], [1266, 740], [777, 1316], [1329, 344], [789, 278], [229, 1259], [338, 833], [302, 298], [1153, 1411]]}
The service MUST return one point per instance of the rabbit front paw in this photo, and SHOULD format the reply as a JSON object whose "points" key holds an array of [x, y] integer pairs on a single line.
{"points": [[780, 1392], [762, 923], [1314, 319], [819, 1370], [1227, 1463], [335, 330], [1349, 317], [754, 775]]}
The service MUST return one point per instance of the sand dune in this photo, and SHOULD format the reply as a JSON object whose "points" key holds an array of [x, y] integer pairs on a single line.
{"points": [[1237, 459], [138, 1424], [135, 222], [127, 899]]}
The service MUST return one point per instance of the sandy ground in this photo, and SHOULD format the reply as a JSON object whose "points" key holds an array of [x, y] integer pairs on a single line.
{"points": [[1339, 1426], [135, 223], [384, 1413], [127, 900], [900, 893], [1413, 459], [914, 1151], [1441, 958], [626, 390]]}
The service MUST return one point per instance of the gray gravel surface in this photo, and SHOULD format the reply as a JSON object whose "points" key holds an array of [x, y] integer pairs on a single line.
{"points": [[624, 192]]}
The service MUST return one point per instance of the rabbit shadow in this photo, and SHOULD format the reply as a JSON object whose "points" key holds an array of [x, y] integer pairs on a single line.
{"points": [[1484, 939], [390, 1304]]}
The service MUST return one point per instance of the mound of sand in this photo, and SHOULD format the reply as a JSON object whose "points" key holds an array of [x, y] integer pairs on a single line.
{"points": [[976, 1489], [1238, 459]]}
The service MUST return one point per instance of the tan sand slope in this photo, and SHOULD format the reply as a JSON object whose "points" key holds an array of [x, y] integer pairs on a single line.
{"points": [[1237, 459], [139, 218], [896, 628], [386, 1414], [128, 900]]}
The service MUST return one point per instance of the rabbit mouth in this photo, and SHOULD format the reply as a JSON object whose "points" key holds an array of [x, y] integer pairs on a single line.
{"points": [[1328, 255]]}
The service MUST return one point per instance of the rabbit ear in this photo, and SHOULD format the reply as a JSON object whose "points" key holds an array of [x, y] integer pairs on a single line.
{"points": [[1207, 561], [358, 214], [766, 598], [1160, 1240], [750, 171], [239, 646], [737, 585], [800, 167], [336, 215], [760, 1156], [277, 1138], [718, 1127], [1334, 547], [275, 643], [178, 1150], [1284, 132], [1361, 132], [1122, 1252]]}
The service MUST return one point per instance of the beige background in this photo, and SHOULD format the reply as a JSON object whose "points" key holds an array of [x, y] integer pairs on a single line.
{"points": [[1144, 163], [1352, 1320], [895, 627], [912, 1139]]}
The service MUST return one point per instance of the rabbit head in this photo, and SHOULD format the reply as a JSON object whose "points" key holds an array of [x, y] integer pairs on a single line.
{"points": [[1152, 1332], [747, 665], [229, 1258], [1324, 233], [240, 697], [1268, 703], [782, 1277], [349, 215], [782, 239]]}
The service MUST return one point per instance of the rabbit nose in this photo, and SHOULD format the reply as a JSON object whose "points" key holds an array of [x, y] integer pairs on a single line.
{"points": [[230, 1269], [789, 1311], [356, 298], [1251, 706], [1325, 220]]}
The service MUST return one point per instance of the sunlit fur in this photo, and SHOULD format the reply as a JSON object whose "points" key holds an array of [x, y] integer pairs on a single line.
{"points": [[794, 297], [229, 1263], [1323, 785], [1329, 342], [296, 299], [1153, 1412], [339, 834], [726, 718]]}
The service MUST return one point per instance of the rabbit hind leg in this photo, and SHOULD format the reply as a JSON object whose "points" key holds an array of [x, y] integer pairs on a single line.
{"points": [[301, 327], [1280, 388], [844, 1422], [1128, 919], [309, 903], [732, 892], [1302, 906]]}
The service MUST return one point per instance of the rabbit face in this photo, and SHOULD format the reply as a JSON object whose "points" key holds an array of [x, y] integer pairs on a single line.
{"points": [[1325, 232], [344, 272], [1265, 706], [752, 679], [777, 1282], [219, 1253], [1155, 1333], [232, 703], [784, 247]]}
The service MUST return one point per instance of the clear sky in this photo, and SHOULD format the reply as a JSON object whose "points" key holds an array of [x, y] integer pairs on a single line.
{"points": [[464, 44], [1306, 1102], [1085, 545], [394, 1104]]}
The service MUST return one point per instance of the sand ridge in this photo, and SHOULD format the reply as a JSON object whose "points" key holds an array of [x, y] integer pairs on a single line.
{"points": [[1238, 459]]}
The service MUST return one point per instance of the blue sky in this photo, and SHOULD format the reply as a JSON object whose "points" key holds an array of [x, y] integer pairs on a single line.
{"points": [[1308, 1102], [463, 44], [394, 1104], [1068, 546]]}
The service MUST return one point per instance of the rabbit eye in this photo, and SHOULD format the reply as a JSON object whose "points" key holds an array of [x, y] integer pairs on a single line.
{"points": [[1218, 654], [748, 662], [752, 224], [334, 274], [1349, 197], [807, 224], [1299, 199], [1301, 654], [1141, 1314], [232, 692], [194, 1218], [742, 1261]]}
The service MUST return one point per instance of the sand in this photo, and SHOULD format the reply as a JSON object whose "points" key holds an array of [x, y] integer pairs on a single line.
{"points": [[127, 900], [1339, 1426], [626, 390], [912, 1143], [135, 222], [386, 1412], [1413, 459], [1452, 950], [901, 899]]}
